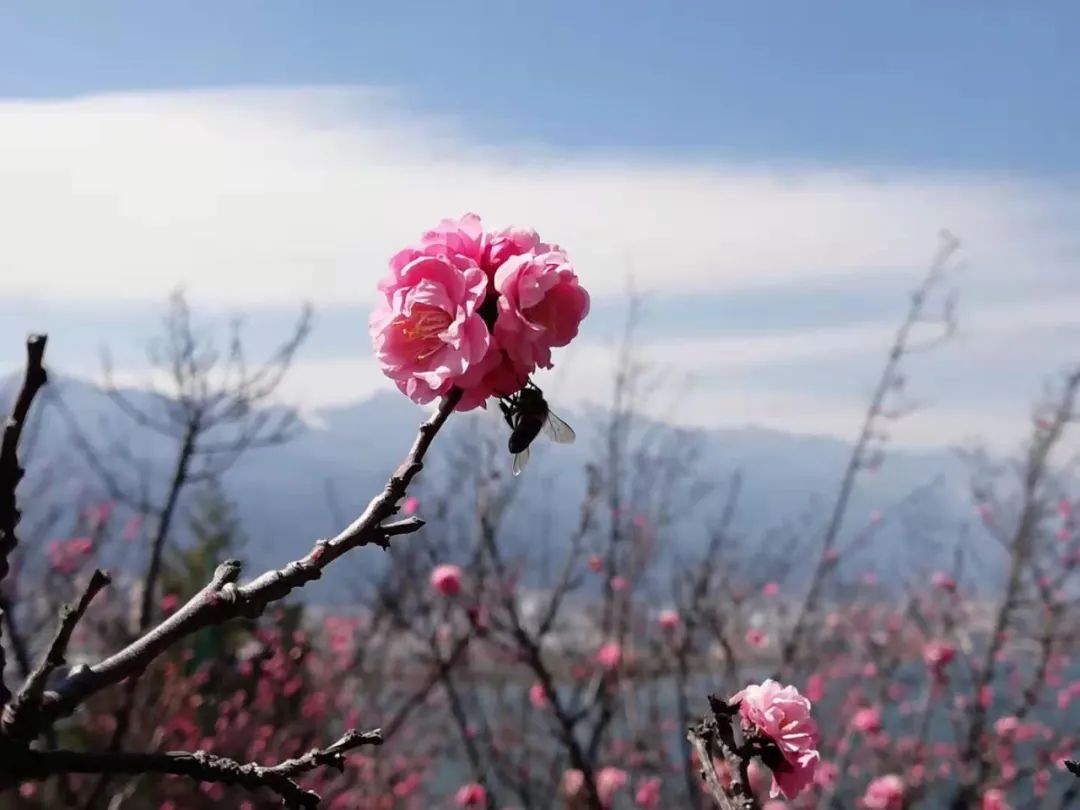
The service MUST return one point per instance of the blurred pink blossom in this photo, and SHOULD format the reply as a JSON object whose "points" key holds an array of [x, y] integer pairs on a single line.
{"points": [[942, 581], [132, 528], [994, 799], [472, 795], [411, 505], [446, 579], [756, 637], [884, 793], [609, 781], [826, 774], [67, 556], [867, 720], [938, 655], [1006, 727], [573, 781], [668, 619], [648, 793], [609, 656]]}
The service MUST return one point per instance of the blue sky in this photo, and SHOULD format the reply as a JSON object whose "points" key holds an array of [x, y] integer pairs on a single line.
{"points": [[770, 174], [960, 84]]}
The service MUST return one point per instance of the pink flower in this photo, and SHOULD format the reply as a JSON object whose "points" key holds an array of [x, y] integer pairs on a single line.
{"points": [[472, 795], [507, 243], [938, 655], [884, 793], [474, 310], [540, 305], [782, 715], [771, 589], [573, 781], [756, 638], [451, 237], [1007, 727], [428, 331], [609, 656], [169, 602], [608, 781], [618, 583], [867, 720], [407, 786], [648, 793], [596, 565], [446, 579], [815, 687], [497, 375], [668, 620], [994, 799], [538, 696], [411, 505], [826, 775]]}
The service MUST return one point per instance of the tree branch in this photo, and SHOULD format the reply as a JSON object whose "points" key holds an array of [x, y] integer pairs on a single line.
{"points": [[718, 732], [222, 599], [199, 765], [10, 470], [17, 721]]}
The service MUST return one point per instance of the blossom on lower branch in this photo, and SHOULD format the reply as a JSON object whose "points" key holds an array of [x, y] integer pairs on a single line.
{"points": [[475, 310], [779, 717]]}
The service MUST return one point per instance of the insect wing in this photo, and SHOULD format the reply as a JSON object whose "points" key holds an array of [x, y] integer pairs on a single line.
{"points": [[520, 460], [557, 430]]}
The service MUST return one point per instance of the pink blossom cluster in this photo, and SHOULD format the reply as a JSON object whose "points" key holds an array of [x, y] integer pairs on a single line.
{"points": [[474, 309]]}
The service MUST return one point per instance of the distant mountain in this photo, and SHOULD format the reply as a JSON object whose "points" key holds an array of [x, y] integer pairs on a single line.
{"points": [[288, 495]]}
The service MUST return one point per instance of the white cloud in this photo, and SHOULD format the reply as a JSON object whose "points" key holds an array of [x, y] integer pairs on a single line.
{"points": [[256, 196], [259, 197]]}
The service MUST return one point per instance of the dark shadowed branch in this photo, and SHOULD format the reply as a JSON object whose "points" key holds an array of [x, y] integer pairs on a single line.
{"points": [[17, 721], [198, 765], [11, 472], [715, 735]]}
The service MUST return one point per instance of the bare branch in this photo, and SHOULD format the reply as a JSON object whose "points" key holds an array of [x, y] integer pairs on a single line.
{"points": [[10, 470], [17, 721], [198, 765], [222, 599]]}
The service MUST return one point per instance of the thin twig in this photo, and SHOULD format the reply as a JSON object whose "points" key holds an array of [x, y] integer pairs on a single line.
{"points": [[17, 722]]}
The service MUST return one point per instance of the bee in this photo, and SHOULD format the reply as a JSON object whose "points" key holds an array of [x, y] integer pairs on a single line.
{"points": [[527, 413]]}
